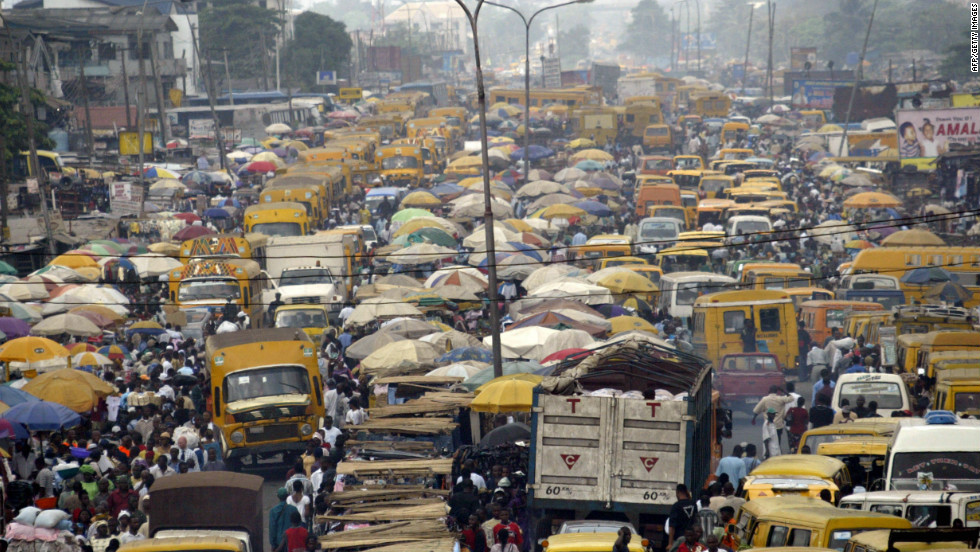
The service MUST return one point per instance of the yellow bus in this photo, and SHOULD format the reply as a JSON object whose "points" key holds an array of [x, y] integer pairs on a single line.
{"points": [[401, 165], [221, 246], [267, 392], [962, 262], [720, 317], [934, 343], [596, 123], [638, 116], [571, 97], [212, 283], [711, 104], [309, 197], [285, 218]]}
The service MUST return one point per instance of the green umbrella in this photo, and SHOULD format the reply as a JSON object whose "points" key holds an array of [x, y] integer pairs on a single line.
{"points": [[5, 268], [116, 246], [21, 311], [509, 369], [103, 250], [432, 235], [406, 215]]}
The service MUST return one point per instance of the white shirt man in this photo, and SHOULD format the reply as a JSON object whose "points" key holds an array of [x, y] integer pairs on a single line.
{"points": [[185, 454], [329, 432]]}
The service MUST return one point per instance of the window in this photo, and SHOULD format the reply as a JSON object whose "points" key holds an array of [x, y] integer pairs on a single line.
{"points": [[769, 320], [777, 536], [799, 537], [927, 515], [734, 320], [107, 51]]}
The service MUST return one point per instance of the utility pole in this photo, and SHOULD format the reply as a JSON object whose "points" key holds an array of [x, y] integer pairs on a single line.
{"points": [[4, 189], [214, 115], [163, 123], [748, 42], [772, 21], [673, 39], [27, 108], [231, 97], [129, 117], [140, 104], [89, 141]]}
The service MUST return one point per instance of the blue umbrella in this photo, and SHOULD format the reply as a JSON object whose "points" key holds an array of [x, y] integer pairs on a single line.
{"points": [[12, 396], [446, 188], [478, 354], [145, 331], [534, 153], [230, 202], [927, 275], [589, 165], [216, 212], [594, 208], [197, 178], [14, 327], [42, 416], [526, 249]]}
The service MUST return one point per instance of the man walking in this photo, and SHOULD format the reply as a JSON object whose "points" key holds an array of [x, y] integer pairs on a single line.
{"points": [[280, 519]]}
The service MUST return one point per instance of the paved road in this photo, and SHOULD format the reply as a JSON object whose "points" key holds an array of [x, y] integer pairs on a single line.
{"points": [[744, 431], [274, 475]]}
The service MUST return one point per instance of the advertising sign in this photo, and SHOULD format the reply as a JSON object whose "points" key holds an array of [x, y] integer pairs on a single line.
{"points": [[552, 72], [129, 143], [924, 134], [799, 56], [814, 94], [126, 198], [326, 77], [350, 93]]}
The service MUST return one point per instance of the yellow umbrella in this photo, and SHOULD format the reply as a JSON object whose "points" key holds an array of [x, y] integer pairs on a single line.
{"points": [[912, 238], [146, 325], [560, 210], [165, 248], [90, 273], [523, 376], [593, 155], [31, 349], [300, 146], [579, 143], [829, 171], [420, 198], [919, 192], [80, 348], [622, 324], [4, 408], [78, 390], [101, 310], [867, 200], [75, 260], [468, 162], [418, 223], [627, 281], [830, 128], [511, 395], [519, 225], [497, 140], [270, 157], [471, 181]]}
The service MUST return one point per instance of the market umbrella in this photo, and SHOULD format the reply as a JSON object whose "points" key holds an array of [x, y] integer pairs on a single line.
{"points": [[570, 174], [68, 323], [933, 209], [82, 348], [523, 343], [550, 273], [159, 172], [370, 343], [422, 253], [216, 213], [42, 416], [392, 355], [541, 187], [513, 395], [436, 236], [534, 153], [20, 311], [75, 389], [406, 215], [11, 396], [949, 292], [34, 352], [168, 184], [622, 324], [591, 154], [101, 310], [410, 328], [373, 310], [451, 339], [478, 239], [90, 359], [478, 354], [524, 369], [77, 259], [866, 200], [589, 165], [420, 198], [912, 238], [560, 211], [858, 244], [922, 276], [114, 352], [6, 268], [559, 356], [258, 167], [278, 128], [581, 290], [150, 265], [516, 267], [14, 327], [192, 232], [457, 370], [594, 208], [146, 327], [506, 434]]}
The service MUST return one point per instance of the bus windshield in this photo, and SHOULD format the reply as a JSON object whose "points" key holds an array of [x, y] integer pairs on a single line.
{"points": [[279, 228], [658, 230], [887, 394], [306, 276], [399, 162], [266, 382], [687, 293], [202, 290], [936, 470], [312, 318]]}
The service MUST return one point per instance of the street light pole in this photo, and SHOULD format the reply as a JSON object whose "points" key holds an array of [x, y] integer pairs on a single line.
{"points": [[698, 4], [528, 21]]}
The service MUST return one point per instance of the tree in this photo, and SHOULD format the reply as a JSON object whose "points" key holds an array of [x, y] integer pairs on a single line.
{"points": [[956, 65], [319, 43], [649, 31], [573, 45], [247, 30], [12, 120]]}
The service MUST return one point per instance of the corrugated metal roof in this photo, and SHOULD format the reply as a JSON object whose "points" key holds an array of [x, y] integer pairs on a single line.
{"points": [[88, 22]]}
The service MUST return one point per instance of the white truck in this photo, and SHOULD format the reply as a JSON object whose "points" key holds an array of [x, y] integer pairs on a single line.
{"points": [[310, 270], [612, 457]]}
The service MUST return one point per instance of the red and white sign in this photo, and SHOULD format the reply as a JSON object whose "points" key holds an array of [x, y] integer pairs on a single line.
{"points": [[649, 463], [570, 459]]}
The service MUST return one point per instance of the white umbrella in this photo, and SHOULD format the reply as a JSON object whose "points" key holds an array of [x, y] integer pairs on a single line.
{"points": [[86, 294], [478, 239], [523, 342], [29, 289], [59, 273], [154, 264], [100, 360], [421, 253], [472, 206], [71, 324], [549, 273], [456, 370], [570, 174], [376, 308], [580, 291], [566, 339], [278, 128], [470, 272], [540, 188]]}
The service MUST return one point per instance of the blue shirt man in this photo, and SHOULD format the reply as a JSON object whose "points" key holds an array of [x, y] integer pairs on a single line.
{"points": [[279, 517], [579, 238], [733, 466]]}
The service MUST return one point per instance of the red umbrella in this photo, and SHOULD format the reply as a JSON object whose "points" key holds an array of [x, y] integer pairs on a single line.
{"points": [[260, 167], [187, 217], [191, 232], [563, 354]]}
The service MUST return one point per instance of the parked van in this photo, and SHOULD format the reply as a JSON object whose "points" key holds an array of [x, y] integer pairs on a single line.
{"points": [[889, 391], [922, 508], [935, 453], [913, 540], [958, 387], [750, 513], [711, 185], [658, 139], [720, 317], [810, 524], [657, 194], [820, 317], [805, 475], [679, 291], [745, 227], [657, 233]]}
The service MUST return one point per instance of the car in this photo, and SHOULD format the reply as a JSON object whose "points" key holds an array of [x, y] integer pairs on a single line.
{"points": [[744, 378]]}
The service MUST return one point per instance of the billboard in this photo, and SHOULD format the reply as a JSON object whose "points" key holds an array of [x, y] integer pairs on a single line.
{"points": [[799, 56], [814, 94], [924, 134]]}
